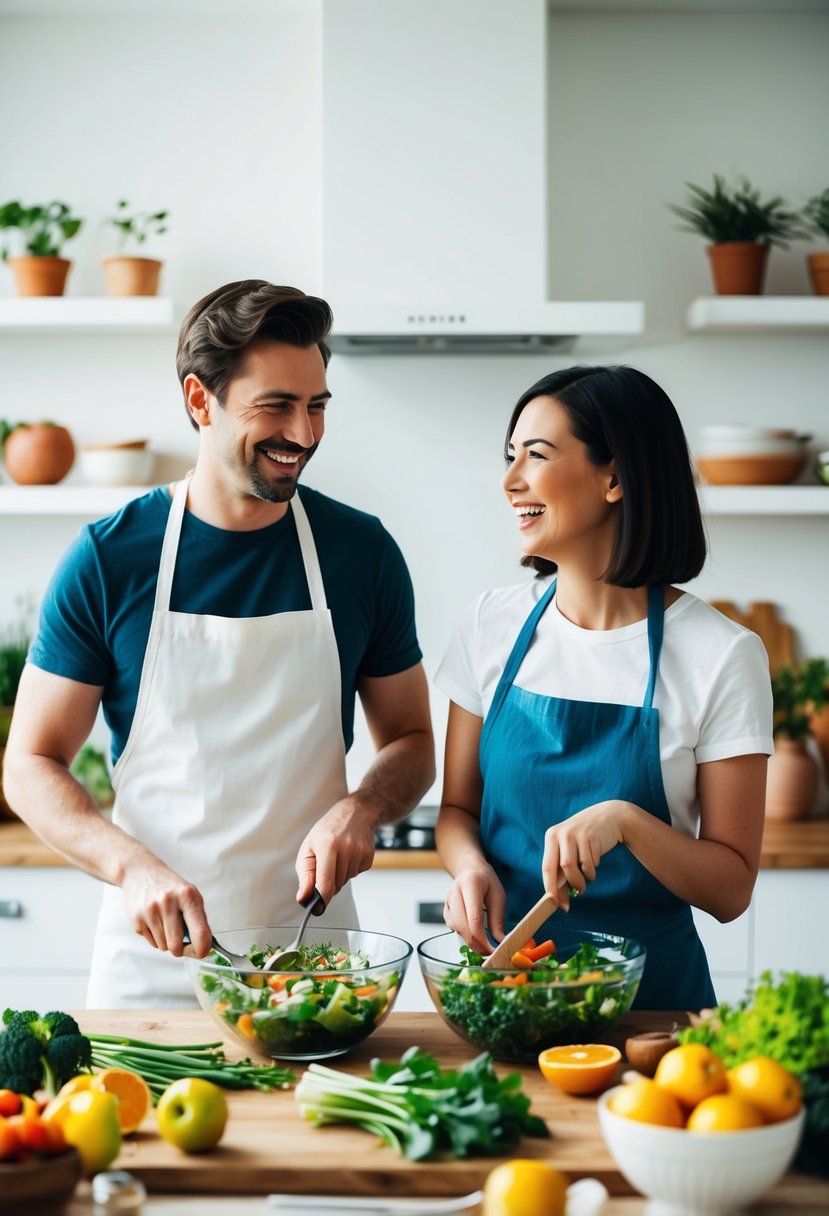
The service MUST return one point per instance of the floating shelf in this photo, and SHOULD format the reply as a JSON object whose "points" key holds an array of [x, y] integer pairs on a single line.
{"points": [[764, 500], [767, 313], [91, 501], [125, 313]]}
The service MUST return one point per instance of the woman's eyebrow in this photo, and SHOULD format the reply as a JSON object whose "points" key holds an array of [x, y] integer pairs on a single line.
{"points": [[529, 442]]}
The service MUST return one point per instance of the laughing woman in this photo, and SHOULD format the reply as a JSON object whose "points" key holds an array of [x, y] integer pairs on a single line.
{"points": [[608, 732]]}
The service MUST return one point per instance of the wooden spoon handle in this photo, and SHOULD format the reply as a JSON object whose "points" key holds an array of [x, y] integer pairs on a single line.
{"points": [[517, 937]]}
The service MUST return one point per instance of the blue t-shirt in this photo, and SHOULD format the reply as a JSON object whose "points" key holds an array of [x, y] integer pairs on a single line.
{"points": [[96, 614]]}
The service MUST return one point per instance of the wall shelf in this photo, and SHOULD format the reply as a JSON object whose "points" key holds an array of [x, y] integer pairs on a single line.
{"points": [[92, 501], [97, 313], [764, 500], [767, 313]]}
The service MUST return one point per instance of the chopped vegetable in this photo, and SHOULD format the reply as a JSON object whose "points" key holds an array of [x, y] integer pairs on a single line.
{"points": [[421, 1110], [41, 1052]]}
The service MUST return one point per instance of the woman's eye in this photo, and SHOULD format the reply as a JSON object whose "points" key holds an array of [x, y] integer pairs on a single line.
{"points": [[509, 459], [537, 455]]}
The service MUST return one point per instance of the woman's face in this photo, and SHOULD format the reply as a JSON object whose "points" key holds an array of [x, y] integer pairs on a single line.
{"points": [[564, 505]]}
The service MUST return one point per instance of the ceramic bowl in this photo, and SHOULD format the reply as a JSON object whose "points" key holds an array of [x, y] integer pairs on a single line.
{"points": [[517, 1021], [776, 469], [698, 1173], [124, 464], [311, 1014], [44, 1185], [822, 467]]}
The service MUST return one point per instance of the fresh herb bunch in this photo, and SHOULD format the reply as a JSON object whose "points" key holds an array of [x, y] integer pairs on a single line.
{"points": [[421, 1110], [798, 692], [14, 646], [45, 227], [816, 213], [787, 1020], [90, 768], [138, 226], [736, 213]]}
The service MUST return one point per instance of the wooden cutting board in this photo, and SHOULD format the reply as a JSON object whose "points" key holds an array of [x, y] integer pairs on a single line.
{"points": [[761, 618], [267, 1147]]}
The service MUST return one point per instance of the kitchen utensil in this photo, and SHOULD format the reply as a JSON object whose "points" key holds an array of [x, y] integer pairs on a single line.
{"points": [[518, 936], [233, 960], [287, 958], [311, 1205]]}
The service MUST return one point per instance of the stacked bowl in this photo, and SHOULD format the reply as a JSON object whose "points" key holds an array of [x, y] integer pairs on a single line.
{"points": [[750, 455]]}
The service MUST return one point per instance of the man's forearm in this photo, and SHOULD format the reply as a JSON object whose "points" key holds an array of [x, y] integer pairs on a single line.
{"points": [[399, 776]]}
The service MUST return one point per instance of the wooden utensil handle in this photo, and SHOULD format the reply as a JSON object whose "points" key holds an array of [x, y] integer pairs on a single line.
{"points": [[517, 937]]}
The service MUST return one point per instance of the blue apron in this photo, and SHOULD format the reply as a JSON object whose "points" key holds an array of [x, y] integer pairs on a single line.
{"points": [[545, 758]]}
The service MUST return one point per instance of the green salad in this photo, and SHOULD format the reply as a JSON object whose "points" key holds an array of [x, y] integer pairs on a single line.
{"points": [[330, 1002], [559, 999]]}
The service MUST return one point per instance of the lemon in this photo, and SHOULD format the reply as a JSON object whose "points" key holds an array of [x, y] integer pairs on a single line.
{"points": [[524, 1187], [89, 1120]]}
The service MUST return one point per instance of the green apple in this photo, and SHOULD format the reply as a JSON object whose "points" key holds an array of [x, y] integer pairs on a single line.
{"points": [[192, 1114]]}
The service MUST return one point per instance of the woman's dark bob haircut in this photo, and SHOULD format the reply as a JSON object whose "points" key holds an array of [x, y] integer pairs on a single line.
{"points": [[218, 330], [621, 415]]}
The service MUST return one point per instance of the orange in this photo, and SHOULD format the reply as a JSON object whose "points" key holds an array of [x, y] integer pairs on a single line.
{"points": [[76, 1085], [646, 1102], [768, 1085], [132, 1092], [691, 1072], [525, 1187], [724, 1113], [580, 1069]]}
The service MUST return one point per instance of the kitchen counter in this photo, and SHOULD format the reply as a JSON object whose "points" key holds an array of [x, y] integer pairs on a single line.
{"points": [[268, 1148], [786, 846]]}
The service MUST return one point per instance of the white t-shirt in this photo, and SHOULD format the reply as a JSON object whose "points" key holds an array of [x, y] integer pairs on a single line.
{"points": [[713, 691]]}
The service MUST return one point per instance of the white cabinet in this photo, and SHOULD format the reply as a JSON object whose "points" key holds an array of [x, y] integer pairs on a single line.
{"points": [[407, 904], [790, 928], [46, 913], [729, 951]]}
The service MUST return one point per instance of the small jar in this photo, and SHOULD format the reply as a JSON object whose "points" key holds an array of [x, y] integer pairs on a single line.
{"points": [[117, 1191]]}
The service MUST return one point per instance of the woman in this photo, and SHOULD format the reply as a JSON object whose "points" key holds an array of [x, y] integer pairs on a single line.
{"points": [[608, 733]]}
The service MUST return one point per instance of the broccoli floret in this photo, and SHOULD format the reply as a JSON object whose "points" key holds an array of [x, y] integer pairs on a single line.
{"points": [[41, 1052]]}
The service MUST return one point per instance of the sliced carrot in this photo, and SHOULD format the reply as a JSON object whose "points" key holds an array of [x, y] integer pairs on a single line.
{"points": [[591, 975], [538, 952], [366, 990], [245, 1025], [520, 960], [278, 979], [511, 981], [529, 944]]}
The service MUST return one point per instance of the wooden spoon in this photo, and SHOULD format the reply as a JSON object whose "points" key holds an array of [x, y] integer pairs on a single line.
{"points": [[518, 936]]}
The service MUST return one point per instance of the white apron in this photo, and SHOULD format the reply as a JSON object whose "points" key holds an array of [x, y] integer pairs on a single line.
{"points": [[236, 750]]}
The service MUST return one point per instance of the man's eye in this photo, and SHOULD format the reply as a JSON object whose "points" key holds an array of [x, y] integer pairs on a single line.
{"points": [[317, 407]]}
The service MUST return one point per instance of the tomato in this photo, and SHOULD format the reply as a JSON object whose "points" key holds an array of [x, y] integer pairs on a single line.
{"points": [[10, 1103]]}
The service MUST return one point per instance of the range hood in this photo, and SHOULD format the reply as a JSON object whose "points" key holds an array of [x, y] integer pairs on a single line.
{"points": [[435, 178]]}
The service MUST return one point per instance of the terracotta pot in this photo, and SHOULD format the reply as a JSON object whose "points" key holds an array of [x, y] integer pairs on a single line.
{"points": [[39, 276], [738, 268], [820, 729], [39, 454], [791, 786], [131, 276], [818, 264]]}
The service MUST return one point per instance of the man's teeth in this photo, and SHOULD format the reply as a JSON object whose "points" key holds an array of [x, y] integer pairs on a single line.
{"points": [[280, 457], [521, 511]]}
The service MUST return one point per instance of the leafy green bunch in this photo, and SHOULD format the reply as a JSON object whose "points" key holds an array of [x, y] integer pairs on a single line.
{"points": [[737, 213], [14, 646], [45, 227], [798, 691], [138, 226], [816, 213]]}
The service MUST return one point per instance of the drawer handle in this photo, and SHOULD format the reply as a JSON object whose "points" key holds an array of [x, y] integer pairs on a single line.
{"points": [[430, 914], [10, 909]]}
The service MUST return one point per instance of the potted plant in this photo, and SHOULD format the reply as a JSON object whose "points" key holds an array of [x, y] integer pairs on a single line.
{"points": [[131, 274], [799, 693], [36, 453], [816, 215], [14, 646], [741, 228], [43, 229]]}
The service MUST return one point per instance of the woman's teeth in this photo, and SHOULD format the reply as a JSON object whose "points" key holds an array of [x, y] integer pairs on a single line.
{"points": [[521, 512]]}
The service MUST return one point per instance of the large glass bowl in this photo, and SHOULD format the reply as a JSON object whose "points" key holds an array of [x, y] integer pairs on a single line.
{"points": [[310, 1014], [515, 1021]]}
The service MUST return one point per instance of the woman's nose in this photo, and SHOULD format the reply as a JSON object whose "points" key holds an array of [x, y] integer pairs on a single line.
{"points": [[512, 479]]}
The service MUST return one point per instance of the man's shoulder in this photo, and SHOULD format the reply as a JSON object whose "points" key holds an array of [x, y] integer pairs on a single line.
{"points": [[326, 512], [137, 518]]}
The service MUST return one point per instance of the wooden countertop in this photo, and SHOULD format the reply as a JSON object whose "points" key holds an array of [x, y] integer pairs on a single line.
{"points": [[786, 846], [268, 1148]]}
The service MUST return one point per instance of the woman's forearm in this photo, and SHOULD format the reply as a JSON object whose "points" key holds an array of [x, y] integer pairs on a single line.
{"points": [[458, 840]]}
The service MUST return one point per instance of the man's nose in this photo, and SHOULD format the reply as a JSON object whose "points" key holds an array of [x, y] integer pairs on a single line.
{"points": [[299, 428]]}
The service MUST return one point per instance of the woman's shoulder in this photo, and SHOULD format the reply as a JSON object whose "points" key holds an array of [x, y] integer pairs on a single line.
{"points": [[706, 628]]}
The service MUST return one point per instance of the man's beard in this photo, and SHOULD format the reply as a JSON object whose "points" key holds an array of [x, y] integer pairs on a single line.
{"points": [[282, 490]]}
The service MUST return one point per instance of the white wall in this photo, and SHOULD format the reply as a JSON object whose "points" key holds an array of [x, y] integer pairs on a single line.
{"points": [[217, 118]]}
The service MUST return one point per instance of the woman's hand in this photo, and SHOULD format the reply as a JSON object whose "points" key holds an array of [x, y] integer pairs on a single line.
{"points": [[573, 849], [473, 892]]}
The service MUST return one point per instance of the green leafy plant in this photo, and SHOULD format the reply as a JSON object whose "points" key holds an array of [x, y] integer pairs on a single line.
{"points": [[816, 213], [44, 228], [737, 213], [14, 646], [135, 228], [90, 768], [798, 691]]}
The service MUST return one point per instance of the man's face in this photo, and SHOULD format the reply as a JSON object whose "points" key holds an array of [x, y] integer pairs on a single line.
{"points": [[273, 419]]}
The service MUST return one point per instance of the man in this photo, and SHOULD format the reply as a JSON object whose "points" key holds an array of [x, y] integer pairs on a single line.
{"points": [[225, 624]]}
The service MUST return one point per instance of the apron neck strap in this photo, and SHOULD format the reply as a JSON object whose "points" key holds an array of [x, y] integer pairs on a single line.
{"points": [[515, 660], [656, 621], [172, 535]]}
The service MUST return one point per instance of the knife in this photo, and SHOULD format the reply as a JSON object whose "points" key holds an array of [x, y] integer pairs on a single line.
{"points": [[312, 1205]]}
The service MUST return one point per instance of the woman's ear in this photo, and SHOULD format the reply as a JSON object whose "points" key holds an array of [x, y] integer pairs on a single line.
{"points": [[613, 492], [198, 400]]}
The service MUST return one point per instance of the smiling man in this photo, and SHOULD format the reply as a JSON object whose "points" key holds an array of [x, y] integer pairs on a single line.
{"points": [[225, 624]]}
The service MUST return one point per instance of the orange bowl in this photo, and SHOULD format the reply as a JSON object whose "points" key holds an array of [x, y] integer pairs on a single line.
{"points": [[770, 470], [580, 1068]]}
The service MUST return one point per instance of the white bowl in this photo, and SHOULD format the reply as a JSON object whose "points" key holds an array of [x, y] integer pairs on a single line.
{"points": [[117, 466], [735, 431], [698, 1173]]}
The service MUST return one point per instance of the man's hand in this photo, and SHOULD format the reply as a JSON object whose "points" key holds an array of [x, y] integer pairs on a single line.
{"points": [[159, 903], [473, 891], [338, 847]]}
